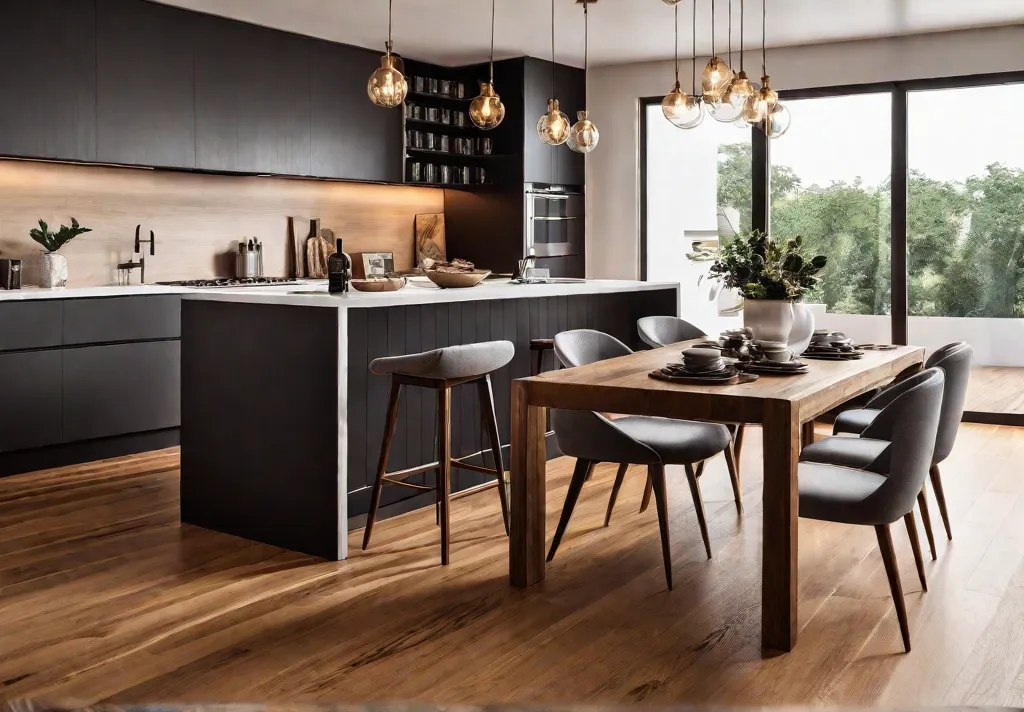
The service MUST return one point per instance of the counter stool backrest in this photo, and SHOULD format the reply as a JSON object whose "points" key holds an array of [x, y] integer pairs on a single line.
{"points": [[658, 331], [582, 346]]}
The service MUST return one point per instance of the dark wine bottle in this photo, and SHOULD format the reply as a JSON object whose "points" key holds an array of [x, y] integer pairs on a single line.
{"points": [[339, 271]]}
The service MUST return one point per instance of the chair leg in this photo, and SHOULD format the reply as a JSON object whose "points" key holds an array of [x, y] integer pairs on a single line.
{"points": [[893, 572], [619, 477], [657, 476], [538, 362], [940, 497], [926, 518], [444, 462], [487, 408], [915, 544], [579, 476], [648, 489], [382, 464], [734, 477], [737, 441], [700, 467], [698, 506]]}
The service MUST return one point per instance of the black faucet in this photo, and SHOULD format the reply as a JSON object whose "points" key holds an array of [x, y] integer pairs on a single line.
{"points": [[141, 264]]}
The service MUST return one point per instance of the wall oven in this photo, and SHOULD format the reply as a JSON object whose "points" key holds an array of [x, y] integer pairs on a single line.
{"points": [[555, 220]]}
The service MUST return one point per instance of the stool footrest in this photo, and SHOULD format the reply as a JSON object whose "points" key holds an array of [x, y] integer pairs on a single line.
{"points": [[475, 468], [395, 478], [410, 485]]}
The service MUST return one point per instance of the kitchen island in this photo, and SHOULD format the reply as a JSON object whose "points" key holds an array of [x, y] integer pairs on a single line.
{"points": [[281, 420]]}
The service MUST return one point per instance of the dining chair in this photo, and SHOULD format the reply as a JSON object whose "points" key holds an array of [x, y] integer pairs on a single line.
{"points": [[659, 331], [955, 361], [592, 438], [838, 493]]}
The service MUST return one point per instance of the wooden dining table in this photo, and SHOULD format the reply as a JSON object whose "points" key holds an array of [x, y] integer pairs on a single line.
{"points": [[782, 405]]}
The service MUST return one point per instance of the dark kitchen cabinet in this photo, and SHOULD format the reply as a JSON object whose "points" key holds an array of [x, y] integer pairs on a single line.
{"points": [[122, 388], [145, 109], [351, 137], [252, 99], [30, 324], [540, 161], [31, 416], [572, 95], [135, 318], [48, 79]]}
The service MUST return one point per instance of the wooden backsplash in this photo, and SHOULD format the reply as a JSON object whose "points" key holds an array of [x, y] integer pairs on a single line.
{"points": [[198, 219]]}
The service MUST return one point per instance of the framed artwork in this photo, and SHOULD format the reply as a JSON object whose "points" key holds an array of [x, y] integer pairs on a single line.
{"points": [[378, 264]]}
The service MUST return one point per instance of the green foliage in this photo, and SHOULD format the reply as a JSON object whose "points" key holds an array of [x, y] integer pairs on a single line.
{"points": [[965, 240], [53, 241], [761, 267]]}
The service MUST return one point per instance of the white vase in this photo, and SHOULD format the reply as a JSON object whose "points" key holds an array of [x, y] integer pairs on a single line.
{"points": [[53, 270], [769, 319], [803, 328]]}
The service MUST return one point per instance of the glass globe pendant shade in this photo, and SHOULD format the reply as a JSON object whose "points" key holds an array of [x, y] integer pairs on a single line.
{"points": [[778, 121], [715, 80], [584, 135], [672, 2], [731, 107], [553, 127], [486, 111], [387, 86], [760, 104], [682, 110]]}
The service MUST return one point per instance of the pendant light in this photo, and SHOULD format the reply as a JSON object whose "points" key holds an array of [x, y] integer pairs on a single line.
{"points": [[762, 106], [682, 110], [584, 135], [672, 2], [487, 111], [553, 127], [735, 97], [387, 86], [717, 74]]}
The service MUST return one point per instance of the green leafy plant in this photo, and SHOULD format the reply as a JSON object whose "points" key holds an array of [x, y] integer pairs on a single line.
{"points": [[762, 267], [53, 241]]}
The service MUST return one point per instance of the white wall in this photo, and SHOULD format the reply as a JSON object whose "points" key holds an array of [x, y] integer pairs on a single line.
{"points": [[613, 183]]}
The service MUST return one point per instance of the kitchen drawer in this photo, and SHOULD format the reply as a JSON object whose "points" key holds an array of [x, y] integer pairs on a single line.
{"points": [[31, 415], [30, 325], [121, 388], [94, 321]]}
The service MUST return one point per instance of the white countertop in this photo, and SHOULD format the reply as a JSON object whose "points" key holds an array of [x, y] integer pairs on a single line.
{"points": [[33, 293], [418, 291]]}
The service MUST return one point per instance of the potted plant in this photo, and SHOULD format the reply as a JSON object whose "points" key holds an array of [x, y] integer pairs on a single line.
{"points": [[772, 275], [53, 269]]}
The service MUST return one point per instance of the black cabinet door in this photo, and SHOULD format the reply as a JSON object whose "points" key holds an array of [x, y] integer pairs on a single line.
{"points": [[119, 389], [540, 161], [110, 319], [572, 92], [32, 392], [351, 137], [48, 79], [31, 324], [252, 98], [145, 104]]}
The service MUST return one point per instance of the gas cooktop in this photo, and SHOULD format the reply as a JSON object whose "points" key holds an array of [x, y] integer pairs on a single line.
{"points": [[232, 282]]}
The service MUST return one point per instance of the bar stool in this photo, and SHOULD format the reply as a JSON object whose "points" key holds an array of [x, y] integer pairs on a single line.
{"points": [[539, 347], [442, 370]]}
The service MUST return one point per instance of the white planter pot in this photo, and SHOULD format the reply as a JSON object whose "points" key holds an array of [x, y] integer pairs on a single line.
{"points": [[803, 328], [53, 270], [769, 319]]}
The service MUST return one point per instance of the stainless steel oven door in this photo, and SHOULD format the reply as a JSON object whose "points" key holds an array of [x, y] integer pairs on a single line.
{"points": [[554, 223]]}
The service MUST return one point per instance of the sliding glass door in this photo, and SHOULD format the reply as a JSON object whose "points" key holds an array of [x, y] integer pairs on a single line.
{"points": [[965, 233], [830, 183]]}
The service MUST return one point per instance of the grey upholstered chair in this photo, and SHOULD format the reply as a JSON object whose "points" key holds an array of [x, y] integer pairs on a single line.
{"points": [[835, 493], [658, 331], [955, 361], [656, 442], [441, 370]]}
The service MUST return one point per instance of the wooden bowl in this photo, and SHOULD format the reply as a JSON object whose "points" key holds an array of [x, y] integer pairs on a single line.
{"points": [[457, 280], [389, 284]]}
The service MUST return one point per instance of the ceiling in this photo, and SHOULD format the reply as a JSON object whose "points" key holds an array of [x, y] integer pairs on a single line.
{"points": [[455, 32]]}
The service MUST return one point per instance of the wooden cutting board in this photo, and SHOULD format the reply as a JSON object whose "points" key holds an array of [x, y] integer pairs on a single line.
{"points": [[318, 249], [430, 241]]}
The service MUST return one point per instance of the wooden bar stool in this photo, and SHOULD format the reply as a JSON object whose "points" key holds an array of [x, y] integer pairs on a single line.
{"points": [[442, 370], [539, 347]]}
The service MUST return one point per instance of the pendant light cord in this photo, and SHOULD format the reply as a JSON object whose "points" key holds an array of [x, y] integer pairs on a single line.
{"points": [[742, 13], [553, 92], [712, 29], [764, 26], [675, 9], [493, 4], [586, 39], [730, 33], [693, 62], [390, 2]]}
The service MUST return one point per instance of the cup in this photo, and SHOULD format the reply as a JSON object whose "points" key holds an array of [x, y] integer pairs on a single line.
{"points": [[415, 172], [430, 173], [460, 90], [445, 144], [418, 85], [446, 174], [432, 86], [432, 114], [486, 146], [445, 87], [430, 141], [446, 116]]}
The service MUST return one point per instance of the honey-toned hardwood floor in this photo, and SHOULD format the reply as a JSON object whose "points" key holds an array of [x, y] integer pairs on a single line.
{"points": [[996, 389], [104, 596]]}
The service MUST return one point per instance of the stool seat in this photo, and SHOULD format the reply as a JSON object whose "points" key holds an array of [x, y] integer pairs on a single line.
{"points": [[451, 362], [541, 344]]}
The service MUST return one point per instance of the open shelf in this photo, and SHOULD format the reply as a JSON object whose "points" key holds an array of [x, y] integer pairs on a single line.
{"points": [[441, 123], [423, 184], [428, 95], [456, 155]]}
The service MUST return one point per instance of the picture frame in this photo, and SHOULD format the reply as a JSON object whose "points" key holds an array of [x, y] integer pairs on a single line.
{"points": [[378, 264]]}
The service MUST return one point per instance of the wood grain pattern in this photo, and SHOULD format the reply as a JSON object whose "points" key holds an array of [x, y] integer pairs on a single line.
{"points": [[198, 219], [430, 240], [104, 596], [781, 403]]}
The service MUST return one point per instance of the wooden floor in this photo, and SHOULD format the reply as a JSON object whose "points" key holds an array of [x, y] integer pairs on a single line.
{"points": [[104, 596], [996, 389]]}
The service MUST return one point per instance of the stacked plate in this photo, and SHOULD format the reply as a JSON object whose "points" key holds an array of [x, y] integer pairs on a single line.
{"points": [[832, 346], [701, 366], [775, 368]]}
